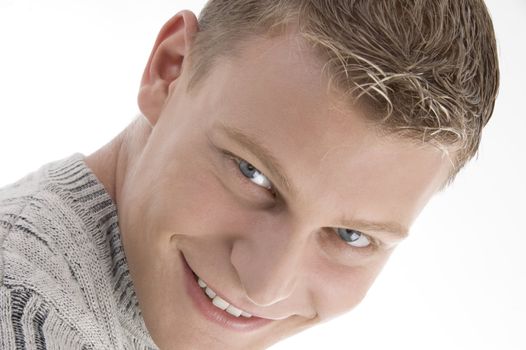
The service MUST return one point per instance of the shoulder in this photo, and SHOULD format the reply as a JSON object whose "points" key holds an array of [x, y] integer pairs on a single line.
{"points": [[39, 233], [56, 229], [42, 303], [32, 218]]}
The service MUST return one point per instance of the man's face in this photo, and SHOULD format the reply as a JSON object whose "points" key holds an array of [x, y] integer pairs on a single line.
{"points": [[289, 248]]}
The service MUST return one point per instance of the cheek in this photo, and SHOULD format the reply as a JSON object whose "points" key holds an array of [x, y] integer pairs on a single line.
{"points": [[193, 202], [344, 288]]}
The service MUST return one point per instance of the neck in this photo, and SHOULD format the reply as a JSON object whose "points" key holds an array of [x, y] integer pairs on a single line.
{"points": [[113, 161]]}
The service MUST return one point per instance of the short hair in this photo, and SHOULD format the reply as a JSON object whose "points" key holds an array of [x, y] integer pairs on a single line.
{"points": [[427, 70]]}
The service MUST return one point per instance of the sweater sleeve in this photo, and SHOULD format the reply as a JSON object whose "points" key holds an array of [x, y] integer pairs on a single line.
{"points": [[3, 232], [6, 223], [27, 319], [28, 322]]}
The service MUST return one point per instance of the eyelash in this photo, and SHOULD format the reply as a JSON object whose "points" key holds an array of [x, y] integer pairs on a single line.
{"points": [[272, 192], [374, 244]]}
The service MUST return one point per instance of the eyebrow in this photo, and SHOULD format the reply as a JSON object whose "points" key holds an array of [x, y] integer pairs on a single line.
{"points": [[265, 155]]}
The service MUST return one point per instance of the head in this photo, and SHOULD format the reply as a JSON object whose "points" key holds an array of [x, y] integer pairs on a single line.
{"points": [[285, 149]]}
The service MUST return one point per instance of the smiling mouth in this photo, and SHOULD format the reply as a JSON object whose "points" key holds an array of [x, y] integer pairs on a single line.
{"points": [[219, 302], [215, 308]]}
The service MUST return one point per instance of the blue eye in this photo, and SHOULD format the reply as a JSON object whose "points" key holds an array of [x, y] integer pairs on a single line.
{"points": [[253, 174], [353, 238]]}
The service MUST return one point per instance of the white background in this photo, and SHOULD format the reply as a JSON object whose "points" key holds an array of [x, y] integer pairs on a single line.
{"points": [[69, 76]]}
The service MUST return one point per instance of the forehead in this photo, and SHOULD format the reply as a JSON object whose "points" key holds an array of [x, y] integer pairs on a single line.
{"points": [[275, 91]]}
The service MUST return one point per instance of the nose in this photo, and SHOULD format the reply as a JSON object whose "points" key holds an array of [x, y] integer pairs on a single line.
{"points": [[268, 260]]}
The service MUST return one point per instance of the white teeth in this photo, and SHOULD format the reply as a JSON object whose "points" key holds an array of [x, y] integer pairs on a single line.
{"points": [[220, 302], [233, 310], [201, 283], [211, 294]]}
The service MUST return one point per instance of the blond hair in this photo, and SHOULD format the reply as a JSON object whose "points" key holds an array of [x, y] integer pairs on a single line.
{"points": [[427, 69]]}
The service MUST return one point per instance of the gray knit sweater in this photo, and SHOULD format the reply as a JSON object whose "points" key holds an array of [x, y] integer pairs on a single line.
{"points": [[64, 279]]}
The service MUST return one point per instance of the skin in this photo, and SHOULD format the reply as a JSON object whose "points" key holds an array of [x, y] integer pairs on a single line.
{"points": [[277, 256]]}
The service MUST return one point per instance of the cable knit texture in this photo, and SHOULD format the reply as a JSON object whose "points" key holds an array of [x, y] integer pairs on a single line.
{"points": [[64, 279]]}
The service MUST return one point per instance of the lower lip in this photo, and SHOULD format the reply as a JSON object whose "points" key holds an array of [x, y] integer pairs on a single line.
{"points": [[212, 313]]}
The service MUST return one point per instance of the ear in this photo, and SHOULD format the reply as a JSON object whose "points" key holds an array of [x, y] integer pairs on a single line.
{"points": [[165, 63]]}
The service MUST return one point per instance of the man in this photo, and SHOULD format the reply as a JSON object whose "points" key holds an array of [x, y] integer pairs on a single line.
{"points": [[283, 152]]}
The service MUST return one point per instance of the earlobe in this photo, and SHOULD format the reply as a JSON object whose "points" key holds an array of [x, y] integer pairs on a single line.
{"points": [[165, 63]]}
